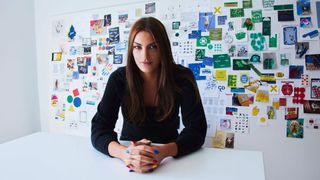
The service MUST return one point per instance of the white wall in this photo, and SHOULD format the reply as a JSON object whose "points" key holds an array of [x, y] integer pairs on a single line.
{"points": [[19, 107], [284, 158]]}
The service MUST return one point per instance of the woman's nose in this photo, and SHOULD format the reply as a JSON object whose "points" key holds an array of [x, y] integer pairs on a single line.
{"points": [[145, 54]]}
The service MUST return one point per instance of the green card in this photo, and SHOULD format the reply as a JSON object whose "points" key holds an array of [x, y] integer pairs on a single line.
{"points": [[236, 12], [241, 64], [267, 3], [266, 26], [232, 81], [283, 7], [247, 4], [273, 41], [256, 16], [216, 34], [221, 61], [203, 41], [200, 53]]}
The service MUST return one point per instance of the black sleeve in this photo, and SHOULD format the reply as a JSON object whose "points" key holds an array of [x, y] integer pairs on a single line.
{"points": [[103, 123], [193, 135]]}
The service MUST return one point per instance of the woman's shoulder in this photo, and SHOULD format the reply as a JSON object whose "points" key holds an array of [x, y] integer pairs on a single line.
{"points": [[183, 75], [119, 73], [118, 77]]}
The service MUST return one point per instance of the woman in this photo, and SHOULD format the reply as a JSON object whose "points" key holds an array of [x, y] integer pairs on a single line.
{"points": [[150, 90]]}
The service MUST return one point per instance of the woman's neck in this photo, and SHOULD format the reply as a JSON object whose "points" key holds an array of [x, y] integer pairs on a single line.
{"points": [[150, 90], [149, 77]]}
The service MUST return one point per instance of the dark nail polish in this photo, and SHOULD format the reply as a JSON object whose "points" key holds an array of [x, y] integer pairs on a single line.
{"points": [[131, 170], [150, 170], [156, 152], [155, 161]]}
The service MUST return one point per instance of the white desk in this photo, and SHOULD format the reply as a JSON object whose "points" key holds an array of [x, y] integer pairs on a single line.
{"points": [[45, 156]]}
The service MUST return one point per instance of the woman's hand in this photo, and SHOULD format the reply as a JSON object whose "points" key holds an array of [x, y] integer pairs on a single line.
{"points": [[141, 156]]}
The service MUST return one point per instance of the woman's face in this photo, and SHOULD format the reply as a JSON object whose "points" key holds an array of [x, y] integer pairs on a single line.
{"points": [[146, 53]]}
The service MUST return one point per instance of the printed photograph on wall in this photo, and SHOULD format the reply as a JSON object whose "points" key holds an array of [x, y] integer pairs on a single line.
{"points": [[311, 106], [295, 128], [312, 62], [242, 99], [97, 27], [291, 113], [315, 88]]}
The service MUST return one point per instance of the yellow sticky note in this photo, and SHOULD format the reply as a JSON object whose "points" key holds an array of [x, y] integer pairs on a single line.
{"points": [[262, 96], [276, 104], [71, 108], [221, 75]]}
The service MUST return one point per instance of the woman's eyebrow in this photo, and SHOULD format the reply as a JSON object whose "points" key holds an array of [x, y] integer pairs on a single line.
{"points": [[137, 43], [153, 43]]}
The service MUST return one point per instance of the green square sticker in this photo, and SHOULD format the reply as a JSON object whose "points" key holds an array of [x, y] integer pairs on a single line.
{"points": [[236, 12], [241, 64], [221, 61], [256, 16], [200, 53], [203, 41], [232, 81]]}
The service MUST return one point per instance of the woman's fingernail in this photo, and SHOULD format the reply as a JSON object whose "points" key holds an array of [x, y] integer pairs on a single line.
{"points": [[127, 151], [150, 170], [156, 152], [130, 166], [155, 161], [131, 170], [154, 166]]}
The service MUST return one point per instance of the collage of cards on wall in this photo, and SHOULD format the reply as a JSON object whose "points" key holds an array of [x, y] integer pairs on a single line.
{"points": [[254, 62]]}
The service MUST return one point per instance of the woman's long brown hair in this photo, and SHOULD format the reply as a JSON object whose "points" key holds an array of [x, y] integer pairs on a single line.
{"points": [[134, 106]]}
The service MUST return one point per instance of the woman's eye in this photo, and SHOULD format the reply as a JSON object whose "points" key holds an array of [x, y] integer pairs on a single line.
{"points": [[136, 47], [153, 46]]}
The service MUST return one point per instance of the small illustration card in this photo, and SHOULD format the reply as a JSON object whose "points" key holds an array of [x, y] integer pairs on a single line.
{"points": [[311, 106], [291, 113], [289, 35], [315, 88], [295, 128], [312, 62], [295, 72], [241, 64], [221, 61]]}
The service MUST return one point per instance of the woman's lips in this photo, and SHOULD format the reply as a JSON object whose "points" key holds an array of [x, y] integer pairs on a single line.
{"points": [[146, 62]]}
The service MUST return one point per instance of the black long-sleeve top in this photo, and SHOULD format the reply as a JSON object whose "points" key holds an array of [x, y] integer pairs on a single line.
{"points": [[188, 140]]}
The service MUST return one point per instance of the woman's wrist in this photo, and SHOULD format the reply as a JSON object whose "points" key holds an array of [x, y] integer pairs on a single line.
{"points": [[117, 150], [170, 149]]}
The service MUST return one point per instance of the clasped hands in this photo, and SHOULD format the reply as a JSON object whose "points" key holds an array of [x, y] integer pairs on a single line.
{"points": [[141, 156]]}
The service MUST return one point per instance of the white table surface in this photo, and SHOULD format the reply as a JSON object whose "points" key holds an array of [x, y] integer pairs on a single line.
{"points": [[46, 156]]}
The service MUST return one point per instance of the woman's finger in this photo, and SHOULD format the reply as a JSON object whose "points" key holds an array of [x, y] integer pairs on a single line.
{"points": [[141, 152], [146, 148], [143, 159], [145, 169]]}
